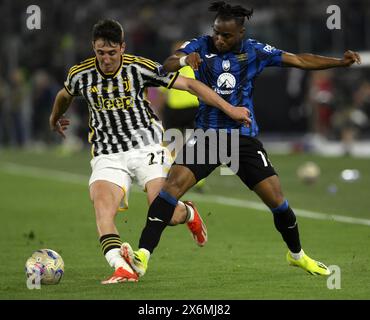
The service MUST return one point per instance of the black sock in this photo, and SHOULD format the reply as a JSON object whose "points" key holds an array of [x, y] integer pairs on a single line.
{"points": [[159, 215], [286, 223]]}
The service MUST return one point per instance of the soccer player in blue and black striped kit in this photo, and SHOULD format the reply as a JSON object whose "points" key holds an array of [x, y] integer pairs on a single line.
{"points": [[229, 63]]}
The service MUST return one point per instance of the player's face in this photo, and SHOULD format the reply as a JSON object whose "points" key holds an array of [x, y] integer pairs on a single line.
{"points": [[227, 35], [108, 54]]}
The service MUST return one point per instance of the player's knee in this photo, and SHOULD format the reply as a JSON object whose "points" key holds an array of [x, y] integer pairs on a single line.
{"points": [[277, 201], [281, 208], [179, 180]]}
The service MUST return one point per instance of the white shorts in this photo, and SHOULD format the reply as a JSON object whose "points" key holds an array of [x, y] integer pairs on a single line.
{"points": [[139, 165]]}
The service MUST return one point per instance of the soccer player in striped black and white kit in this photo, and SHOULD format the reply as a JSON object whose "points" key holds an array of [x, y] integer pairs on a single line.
{"points": [[125, 135]]}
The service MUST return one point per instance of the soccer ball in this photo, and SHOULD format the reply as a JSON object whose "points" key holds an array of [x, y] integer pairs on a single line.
{"points": [[308, 172], [46, 264]]}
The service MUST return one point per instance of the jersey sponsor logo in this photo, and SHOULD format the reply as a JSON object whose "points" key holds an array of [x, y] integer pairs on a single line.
{"points": [[225, 83], [211, 55], [113, 104], [226, 65]]}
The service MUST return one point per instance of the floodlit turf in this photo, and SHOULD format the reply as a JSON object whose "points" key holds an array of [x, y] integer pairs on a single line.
{"points": [[245, 256]]}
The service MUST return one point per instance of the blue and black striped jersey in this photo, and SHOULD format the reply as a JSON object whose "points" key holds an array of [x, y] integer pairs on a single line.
{"points": [[232, 76]]}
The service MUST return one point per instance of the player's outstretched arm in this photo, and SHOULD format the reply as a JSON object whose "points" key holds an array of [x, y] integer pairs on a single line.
{"points": [[309, 61], [211, 98], [61, 104], [180, 59]]}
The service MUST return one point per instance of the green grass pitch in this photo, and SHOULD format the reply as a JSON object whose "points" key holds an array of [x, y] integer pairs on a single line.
{"points": [[43, 207]]}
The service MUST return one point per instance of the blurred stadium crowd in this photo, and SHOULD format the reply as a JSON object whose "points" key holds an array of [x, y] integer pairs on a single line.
{"points": [[333, 104]]}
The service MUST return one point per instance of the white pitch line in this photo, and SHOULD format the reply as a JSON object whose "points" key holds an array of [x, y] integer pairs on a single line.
{"points": [[260, 206], [35, 172], [68, 177]]}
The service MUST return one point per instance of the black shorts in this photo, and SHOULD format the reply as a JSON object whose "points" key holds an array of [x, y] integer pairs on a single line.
{"points": [[253, 163]]}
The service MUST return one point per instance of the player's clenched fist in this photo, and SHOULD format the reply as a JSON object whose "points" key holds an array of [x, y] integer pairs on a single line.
{"points": [[351, 57], [240, 114]]}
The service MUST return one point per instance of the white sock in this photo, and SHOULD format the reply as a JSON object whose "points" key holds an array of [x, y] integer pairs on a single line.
{"points": [[146, 252], [191, 211], [297, 256], [115, 260]]}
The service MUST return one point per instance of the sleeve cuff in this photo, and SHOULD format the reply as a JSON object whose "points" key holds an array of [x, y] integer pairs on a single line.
{"points": [[69, 92], [173, 80]]}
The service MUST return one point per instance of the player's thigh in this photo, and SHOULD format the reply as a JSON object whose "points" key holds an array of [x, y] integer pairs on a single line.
{"points": [[106, 196], [270, 192], [154, 172], [150, 163], [110, 173], [254, 164], [193, 161]]}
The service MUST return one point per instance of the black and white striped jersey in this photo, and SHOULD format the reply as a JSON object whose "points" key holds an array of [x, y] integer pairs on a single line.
{"points": [[120, 116]]}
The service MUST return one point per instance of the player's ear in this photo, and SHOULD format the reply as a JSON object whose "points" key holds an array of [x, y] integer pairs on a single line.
{"points": [[242, 31], [93, 45], [123, 47]]}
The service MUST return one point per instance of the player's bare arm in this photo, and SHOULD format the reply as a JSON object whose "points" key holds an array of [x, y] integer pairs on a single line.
{"points": [[309, 61], [61, 104], [240, 114], [174, 62]]}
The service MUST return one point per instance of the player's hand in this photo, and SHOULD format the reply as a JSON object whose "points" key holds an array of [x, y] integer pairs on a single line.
{"points": [[240, 114], [60, 126], [350, 57], [193, 60]]}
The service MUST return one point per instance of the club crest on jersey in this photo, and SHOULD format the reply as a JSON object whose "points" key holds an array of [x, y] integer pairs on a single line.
{"points": [[125, 84], [225, 83], [226, 65]]}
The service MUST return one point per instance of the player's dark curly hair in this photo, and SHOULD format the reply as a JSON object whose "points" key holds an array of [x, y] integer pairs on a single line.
{"points": [[108, 30], [227, 12]]}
